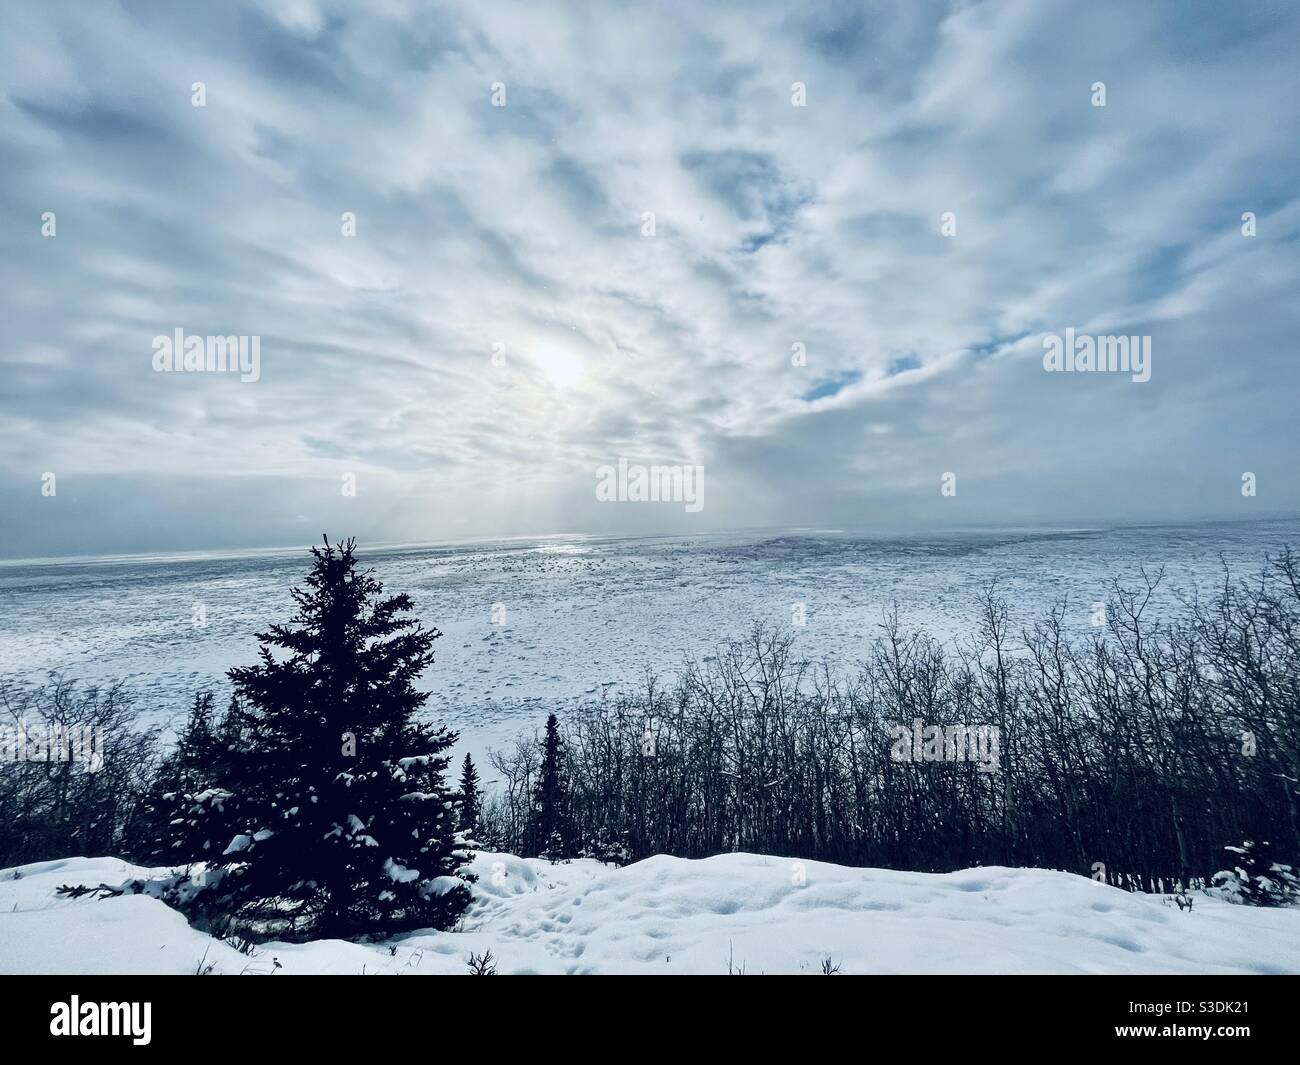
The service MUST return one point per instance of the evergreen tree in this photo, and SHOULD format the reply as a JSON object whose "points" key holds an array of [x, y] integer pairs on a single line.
{"points": [[184, 766], [329, 816], [608, 847], [548, 828], [1256, 878], [469, 798], [180, 774]]}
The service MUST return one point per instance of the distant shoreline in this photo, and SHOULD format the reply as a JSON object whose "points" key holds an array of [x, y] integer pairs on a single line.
{"points": [[503, 542]]}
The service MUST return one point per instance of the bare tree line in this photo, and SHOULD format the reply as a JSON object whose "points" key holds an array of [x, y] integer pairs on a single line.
{"points": [[1138, 752], [1142, 749], [88, 798]]}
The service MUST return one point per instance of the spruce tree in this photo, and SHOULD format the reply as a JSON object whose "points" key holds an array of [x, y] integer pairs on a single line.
{"points": [[180, 774], [330, 816], [1255, 878], [548, 828], [468, 798], [182, 767]]}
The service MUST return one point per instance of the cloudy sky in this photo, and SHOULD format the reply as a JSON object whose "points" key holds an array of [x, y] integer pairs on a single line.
{"points": [[522, 229]]}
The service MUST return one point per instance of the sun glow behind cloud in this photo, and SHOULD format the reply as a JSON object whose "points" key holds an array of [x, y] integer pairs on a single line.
{"points": [[561, 368], [520, 230]]}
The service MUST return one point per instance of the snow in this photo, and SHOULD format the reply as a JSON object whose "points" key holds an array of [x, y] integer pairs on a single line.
{"points": [[399, 872], [671, 915], [240, 843], [584, 614]]}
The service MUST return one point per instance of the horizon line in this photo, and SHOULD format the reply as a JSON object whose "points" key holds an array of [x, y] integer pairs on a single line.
{"points": [[249, 551]]}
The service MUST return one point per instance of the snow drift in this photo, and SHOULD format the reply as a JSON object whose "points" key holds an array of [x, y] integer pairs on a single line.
{"points": [[739, 912]]}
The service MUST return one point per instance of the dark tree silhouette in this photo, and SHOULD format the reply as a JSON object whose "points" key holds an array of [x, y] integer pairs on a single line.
{"points": [[548, 823], [329, 816], [181, 773], [468, 798]]}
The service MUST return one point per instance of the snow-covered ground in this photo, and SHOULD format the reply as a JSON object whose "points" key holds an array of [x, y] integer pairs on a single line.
{"points": [[532, 626], [741, 912]]}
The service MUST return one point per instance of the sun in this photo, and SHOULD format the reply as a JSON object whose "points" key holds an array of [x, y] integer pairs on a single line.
{"points": [[561, 368]]}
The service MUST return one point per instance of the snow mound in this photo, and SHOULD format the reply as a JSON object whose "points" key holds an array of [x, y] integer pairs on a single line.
{"points": [[745, 912]]}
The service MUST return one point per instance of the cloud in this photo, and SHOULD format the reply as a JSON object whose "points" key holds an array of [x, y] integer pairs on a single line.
{"points": [[518, 232]]}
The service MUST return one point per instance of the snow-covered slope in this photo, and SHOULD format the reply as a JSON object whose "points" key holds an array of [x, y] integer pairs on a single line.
{"points": [[668, 915]]}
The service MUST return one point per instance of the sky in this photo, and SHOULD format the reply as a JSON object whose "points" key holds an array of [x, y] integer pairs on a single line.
{"points": [[814, 249]]}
